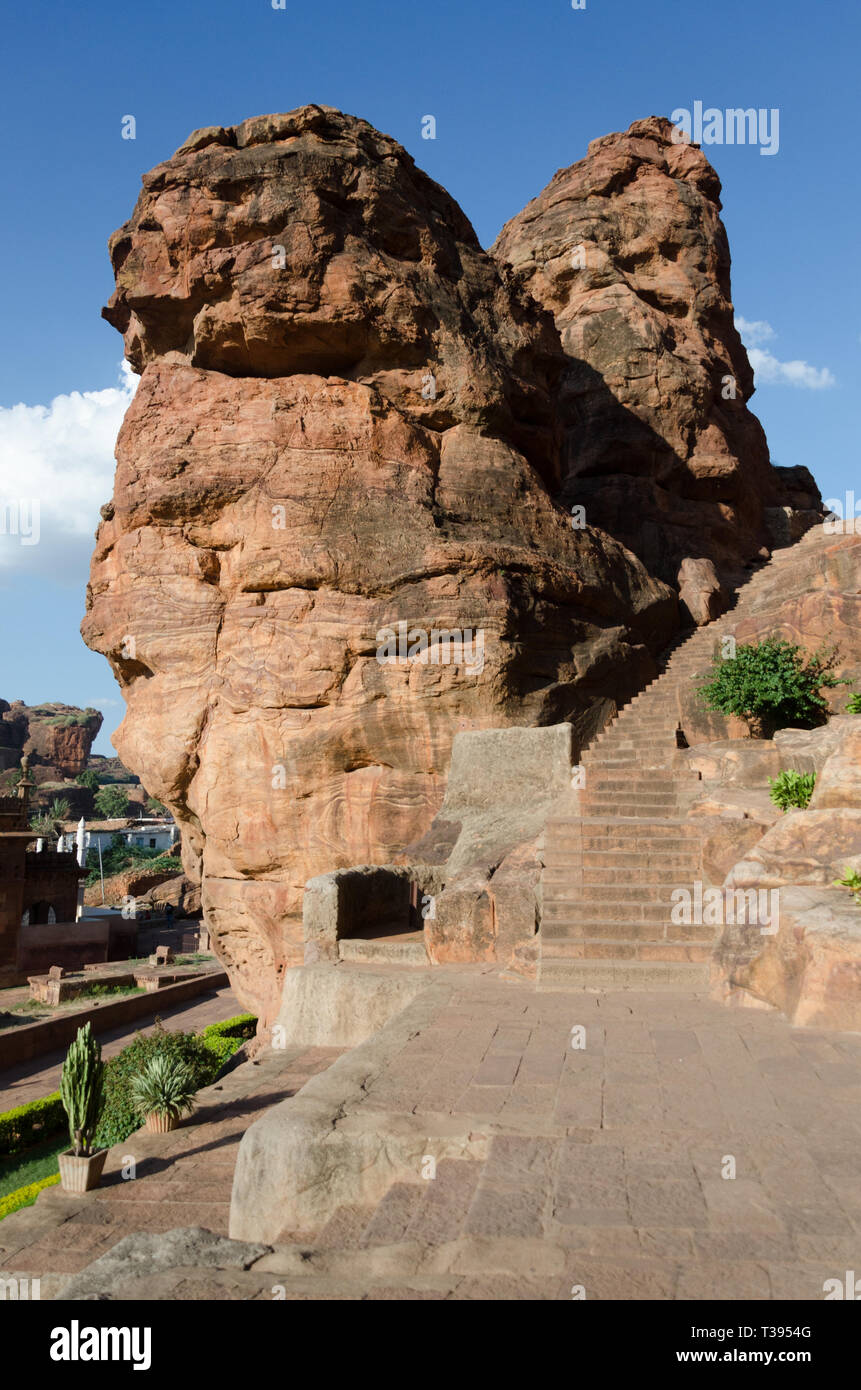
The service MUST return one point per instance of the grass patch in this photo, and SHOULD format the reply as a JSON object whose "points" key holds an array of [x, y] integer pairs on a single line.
{"points": [[18, 1170], [25, 1196]]}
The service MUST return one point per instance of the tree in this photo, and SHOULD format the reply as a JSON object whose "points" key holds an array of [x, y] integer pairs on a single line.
{"points": [[773, 685], [111, 803], [87, 778]]}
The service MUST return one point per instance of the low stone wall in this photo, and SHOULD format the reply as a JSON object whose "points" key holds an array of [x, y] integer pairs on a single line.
{"points": [[74, 944], [34, 1039]]}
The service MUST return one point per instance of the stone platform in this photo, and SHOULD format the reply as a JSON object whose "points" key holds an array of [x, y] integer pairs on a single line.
{"points": [[599, 1167]]}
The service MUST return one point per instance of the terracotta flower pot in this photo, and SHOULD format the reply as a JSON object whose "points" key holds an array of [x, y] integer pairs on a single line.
{"points": [[161, 1124], [81, 1174]]}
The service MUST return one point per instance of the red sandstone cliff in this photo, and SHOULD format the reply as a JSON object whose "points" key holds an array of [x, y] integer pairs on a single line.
{"points": [[348, 419], [627, 249]]}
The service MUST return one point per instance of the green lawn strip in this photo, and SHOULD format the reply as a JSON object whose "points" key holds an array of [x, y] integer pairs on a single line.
{"points": [[25, 1196], [17, 1170]]}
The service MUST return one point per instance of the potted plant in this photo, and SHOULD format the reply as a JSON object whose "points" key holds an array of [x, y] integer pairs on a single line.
{"points": [[163, 1092], [81, 1090]]}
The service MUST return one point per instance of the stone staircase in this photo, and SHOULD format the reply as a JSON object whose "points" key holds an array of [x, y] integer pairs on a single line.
{"points": [[613, 860]]}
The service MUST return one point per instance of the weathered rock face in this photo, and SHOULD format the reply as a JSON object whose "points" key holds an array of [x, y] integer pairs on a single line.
{"points": [[310, 243], [285, 492], [810, 966], [627, 249], [57, 737], [812, 596]]}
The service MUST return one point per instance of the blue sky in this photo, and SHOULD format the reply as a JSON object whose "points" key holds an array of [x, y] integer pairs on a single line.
{"points": [[518, 90]]}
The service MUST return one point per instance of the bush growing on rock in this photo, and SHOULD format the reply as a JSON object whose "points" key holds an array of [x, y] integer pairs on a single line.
{"points": [[852, 881], [854, 705], [792, 790], [773, 685]]}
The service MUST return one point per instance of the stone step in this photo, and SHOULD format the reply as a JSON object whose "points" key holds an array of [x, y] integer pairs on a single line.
{"points": [[382, 952], [596, 865], [632, 810], [559, 878], [617, 891], [635, 790], [625, 928], [631, 948], [627, 974], [576, 912], [663, 780]]}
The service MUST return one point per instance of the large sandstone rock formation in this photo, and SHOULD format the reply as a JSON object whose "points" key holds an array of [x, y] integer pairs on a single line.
{"points": [[56, 737], [344, 423], [628, 251], [349, 420]]}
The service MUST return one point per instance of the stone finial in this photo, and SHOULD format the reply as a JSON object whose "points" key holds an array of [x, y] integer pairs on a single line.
{"points": [[25, 781]]}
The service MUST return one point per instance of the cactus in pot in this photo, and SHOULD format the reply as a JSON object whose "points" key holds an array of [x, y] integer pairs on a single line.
{"points": [[81, 1091]]}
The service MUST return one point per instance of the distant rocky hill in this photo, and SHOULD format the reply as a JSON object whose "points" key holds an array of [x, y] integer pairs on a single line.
{"points": [[56, 737]]}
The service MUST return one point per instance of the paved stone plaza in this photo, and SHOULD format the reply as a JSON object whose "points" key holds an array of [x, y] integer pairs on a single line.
{"points": [[596, 1167]]}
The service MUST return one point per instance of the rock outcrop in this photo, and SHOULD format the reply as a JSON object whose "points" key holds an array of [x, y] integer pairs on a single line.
{"points": [[627, 249], [57, 738], [344, 424], [808, 964]]}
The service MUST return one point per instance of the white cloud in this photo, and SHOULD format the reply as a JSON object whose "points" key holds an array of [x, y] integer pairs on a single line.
{"points": [[754, 331], [56, 471], [768, 371]]}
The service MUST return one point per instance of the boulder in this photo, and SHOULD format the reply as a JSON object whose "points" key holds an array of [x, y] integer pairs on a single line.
{"points": [[502, 786], [810, 968], [734, 762], [839, 782], [802, 847], [344, 434], [807, 750], [56, 737]]}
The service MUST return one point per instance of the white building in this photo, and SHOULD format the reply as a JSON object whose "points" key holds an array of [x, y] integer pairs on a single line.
{"points": [[149, 832]]}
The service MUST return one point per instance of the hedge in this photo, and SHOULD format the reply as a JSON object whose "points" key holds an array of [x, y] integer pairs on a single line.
{"points": [[29, 1124], [204, 1053], [25, 1196], [242, 1026]]}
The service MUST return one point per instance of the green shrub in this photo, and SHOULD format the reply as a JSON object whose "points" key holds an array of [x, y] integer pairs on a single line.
{"points": [[111, 803], [242, 1026], [221, 1050], [854, 705], [87, 778], [852, 881], [120, 1117], [772, 685], [25, 1196], [792, 789], [27, 1125], [164, 1087]]}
